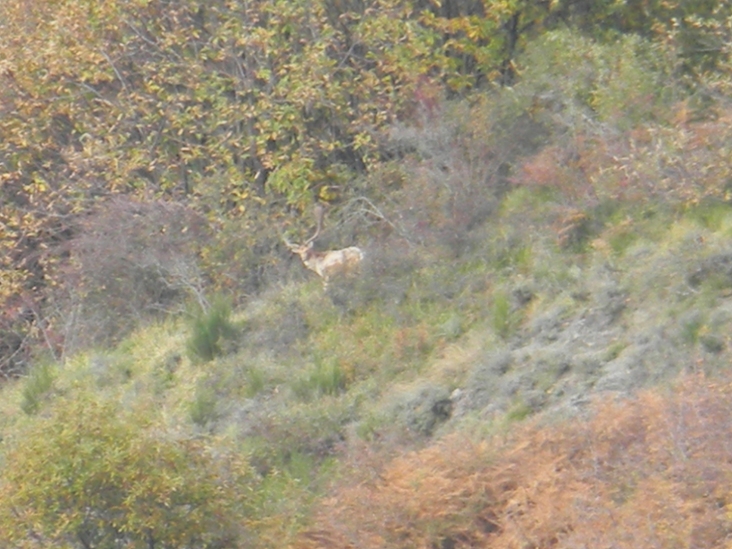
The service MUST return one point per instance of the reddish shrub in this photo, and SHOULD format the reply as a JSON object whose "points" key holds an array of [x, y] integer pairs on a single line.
{"points": [[654, 471]]}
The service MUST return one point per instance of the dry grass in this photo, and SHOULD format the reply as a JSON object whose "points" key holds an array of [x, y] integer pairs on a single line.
{"points": [[655, 471]]}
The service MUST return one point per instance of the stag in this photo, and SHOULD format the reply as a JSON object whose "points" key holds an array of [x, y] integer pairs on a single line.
{"points": [[326, 264]]}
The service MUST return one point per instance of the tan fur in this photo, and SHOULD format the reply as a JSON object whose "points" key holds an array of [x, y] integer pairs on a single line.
{"points": [[331, 263], [326, 264]]}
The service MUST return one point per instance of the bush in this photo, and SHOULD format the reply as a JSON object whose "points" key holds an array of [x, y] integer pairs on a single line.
{"points": [[91, 476], [202, 409], [37, 384], [326, 378], [131, 261], [653, 471], [574, 77], [209, 329]]}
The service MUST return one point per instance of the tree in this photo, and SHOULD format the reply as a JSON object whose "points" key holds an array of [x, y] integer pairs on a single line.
{"points": [[92, 476]]}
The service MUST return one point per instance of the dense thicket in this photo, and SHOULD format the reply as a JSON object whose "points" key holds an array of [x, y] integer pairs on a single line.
{"points": [[239, 110]]}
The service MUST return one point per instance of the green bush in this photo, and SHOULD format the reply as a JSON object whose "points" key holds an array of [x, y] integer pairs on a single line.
{"points": [[256, 380], [209, 329], [326, 378], [36, 386], [202, 409], [621, 83], [92, 476], [502, 314]]}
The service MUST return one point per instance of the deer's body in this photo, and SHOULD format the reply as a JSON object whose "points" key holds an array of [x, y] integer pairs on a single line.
{"points": [[327, 264], [331, 263]]}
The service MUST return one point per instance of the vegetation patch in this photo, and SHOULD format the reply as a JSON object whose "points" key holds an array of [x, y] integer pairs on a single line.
{"points": [[541, 193], [209, 330]]}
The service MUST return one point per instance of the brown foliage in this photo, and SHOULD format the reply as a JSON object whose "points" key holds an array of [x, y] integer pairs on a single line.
{"points": [[131, 260], [649, 472], [683, 161]]}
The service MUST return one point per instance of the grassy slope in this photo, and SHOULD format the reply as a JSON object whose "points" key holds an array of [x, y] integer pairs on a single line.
{"points": [[306, 383], [401, 395]]}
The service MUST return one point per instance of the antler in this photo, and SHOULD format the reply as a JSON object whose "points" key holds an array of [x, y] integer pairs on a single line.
{"points": [[287, 241], [319, 211]]}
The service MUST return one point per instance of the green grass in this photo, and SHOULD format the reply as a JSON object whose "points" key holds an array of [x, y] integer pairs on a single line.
{"points": [[710, 214], [502, 315], [519, 411], [36, 387], [325, 378], [209, 329], [691, 328], [202, 409]]}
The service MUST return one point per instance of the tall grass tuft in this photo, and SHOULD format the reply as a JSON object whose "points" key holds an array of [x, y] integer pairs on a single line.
{"points": [[208, 330], [502, 314], [38, 383], [327, 378]]}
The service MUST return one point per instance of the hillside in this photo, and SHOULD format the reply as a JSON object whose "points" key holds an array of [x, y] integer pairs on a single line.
{"points": [[533, 352]]}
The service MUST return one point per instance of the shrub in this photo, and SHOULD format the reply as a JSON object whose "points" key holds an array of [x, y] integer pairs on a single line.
{"points": [[37, 384], [326, 378], [503, 316], [202, 409], [131, 260], [422, 409], [208, 330], [92, 476], [653, 471], [578, 79]]}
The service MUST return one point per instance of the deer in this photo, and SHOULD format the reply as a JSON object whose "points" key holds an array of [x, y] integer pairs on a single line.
{"points": [[326, 264]]}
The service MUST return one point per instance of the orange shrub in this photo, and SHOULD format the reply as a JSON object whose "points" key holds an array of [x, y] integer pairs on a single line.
{"points": [[652, 471]]}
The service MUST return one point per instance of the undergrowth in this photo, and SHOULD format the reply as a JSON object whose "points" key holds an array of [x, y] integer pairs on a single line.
{"points": [[530, 246], [648, 471]]}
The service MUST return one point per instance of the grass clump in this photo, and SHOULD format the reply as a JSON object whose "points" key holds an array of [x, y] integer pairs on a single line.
{"points": [[504, 317], [691, 326], [208, 330], [326, 378], [256, 381], [37, 385], [202, 409]]}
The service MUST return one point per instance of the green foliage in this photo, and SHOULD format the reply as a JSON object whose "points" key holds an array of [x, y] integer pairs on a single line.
{"points": [[202, 409], [519, 411], [503, 316], [225, 94], [312, 427], [92, 476], [256, 381], [233, 116], [285, 496], [36, 387], [452, 328], [710, 214], [209, 329], [325, 378], [241, 110], [691, 326], [574, 76], [622, 236]]}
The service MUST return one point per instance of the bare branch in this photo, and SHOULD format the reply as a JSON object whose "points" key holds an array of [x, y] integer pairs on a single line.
{"points": [[363, 207]]}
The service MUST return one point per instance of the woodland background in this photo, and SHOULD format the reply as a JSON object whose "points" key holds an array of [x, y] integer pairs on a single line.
{"points": [[535, 353]]}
